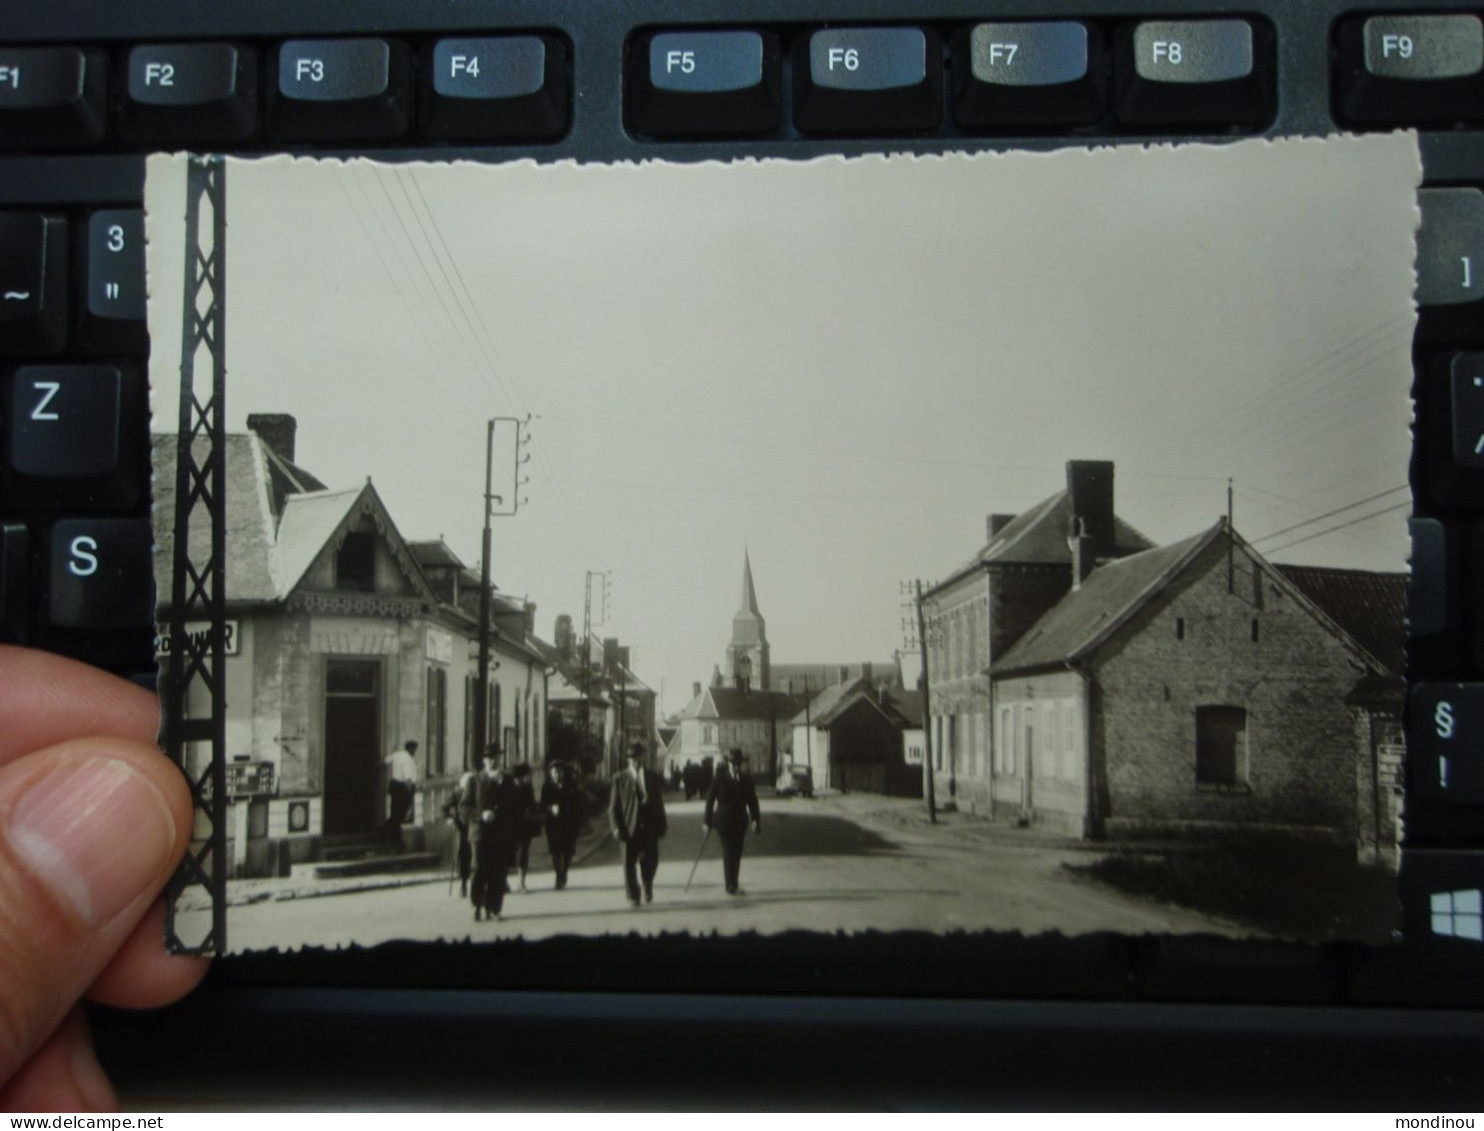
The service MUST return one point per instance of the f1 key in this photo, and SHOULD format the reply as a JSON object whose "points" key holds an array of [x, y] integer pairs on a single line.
{"points": [[1445, 741], [52, 96]]}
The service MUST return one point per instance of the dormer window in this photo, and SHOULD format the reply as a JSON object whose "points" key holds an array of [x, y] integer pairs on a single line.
{"points": [[355, 562]]}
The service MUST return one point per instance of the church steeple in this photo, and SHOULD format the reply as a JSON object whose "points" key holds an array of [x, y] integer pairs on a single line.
{"points": [[748, 608], [747, 656]]}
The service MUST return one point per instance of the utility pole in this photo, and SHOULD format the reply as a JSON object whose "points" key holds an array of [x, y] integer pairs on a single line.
{"points": [[927, 718], [1231, 564], [588, 624], [495, 506]]}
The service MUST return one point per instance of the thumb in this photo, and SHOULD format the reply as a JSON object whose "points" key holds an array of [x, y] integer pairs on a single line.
{"points": [[89, 833]]}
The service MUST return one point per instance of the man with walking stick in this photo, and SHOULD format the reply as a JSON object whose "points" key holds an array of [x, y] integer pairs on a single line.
{"points": [[636, 813], [730, 805]]}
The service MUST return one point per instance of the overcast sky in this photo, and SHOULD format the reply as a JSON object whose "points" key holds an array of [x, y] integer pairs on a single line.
{"points": [[841, 366]]}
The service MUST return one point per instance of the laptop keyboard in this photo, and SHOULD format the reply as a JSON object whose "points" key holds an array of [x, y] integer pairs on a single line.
{"points": [[83, 100]]}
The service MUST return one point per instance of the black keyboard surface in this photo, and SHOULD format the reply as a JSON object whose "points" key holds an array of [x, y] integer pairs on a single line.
{"points": [[87, 90]]}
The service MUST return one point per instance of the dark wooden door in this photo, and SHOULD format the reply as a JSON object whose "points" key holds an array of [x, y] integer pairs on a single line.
{"points": [[353, 754]]}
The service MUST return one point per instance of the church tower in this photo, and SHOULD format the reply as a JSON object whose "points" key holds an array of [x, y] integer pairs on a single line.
{"points": [[747, 655]]}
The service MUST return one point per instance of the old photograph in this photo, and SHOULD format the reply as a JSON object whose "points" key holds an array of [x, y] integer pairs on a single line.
{"points": [[973, 542]]}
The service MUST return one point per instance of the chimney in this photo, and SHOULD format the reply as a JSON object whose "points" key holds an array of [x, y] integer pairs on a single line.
{"points": [[866, 671], [1090, 492], [1083, 559], [277, 430], [997, 522], [695, 689], [531, 617], [564, 637]]}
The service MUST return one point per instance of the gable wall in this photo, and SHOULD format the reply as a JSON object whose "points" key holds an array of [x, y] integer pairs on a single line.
{"points": [[1301, 743]]}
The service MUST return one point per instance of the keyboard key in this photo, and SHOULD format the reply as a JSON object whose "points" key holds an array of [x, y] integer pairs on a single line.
{"points": [[1433, 594], [33, 283], [1443, 382], [113, 317], [1423, 47], [1450, 246], [1467, 388], [52, 97], [868, 80], [1442, 897], [102, 574], [190, 92], [74, 437], [1027, 74], [340, 90], [514, 86], [1194, 72], [15, 595], [1411, 69], [1445, 742], [705, 83]]}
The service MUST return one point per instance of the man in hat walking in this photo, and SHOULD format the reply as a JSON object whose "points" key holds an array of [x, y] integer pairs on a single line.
{"points": [[636, 813], [730, 805], [561, 804], [495, 815]]}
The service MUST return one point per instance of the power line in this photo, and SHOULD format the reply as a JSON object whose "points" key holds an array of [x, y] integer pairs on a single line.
{"points": [[1354, 521], [1330, 514]]}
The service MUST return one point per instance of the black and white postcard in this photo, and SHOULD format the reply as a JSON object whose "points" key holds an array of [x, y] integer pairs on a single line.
{"points": [[1009, 543]]}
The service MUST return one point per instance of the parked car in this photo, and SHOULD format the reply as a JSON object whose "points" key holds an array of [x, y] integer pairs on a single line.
{"points": [[795, 780]]}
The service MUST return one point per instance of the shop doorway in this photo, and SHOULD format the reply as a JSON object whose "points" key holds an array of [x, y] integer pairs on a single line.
{"points": [[353, 803]]}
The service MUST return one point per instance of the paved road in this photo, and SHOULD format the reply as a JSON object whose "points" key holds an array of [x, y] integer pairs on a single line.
{"points": [[827, 865]]}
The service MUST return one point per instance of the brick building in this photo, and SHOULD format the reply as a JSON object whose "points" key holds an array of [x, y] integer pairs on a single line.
{"points": [[1188, 690], [975, 614]]}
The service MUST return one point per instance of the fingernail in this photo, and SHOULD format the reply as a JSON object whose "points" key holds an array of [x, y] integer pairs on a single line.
{"points": [[96, 832]]}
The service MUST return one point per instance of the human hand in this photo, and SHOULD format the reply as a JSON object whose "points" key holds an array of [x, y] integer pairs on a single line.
{"points": [[93, 820], [757, 828]]}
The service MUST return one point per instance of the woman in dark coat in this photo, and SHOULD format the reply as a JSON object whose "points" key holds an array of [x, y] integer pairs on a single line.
{"points": [[561, 804]]}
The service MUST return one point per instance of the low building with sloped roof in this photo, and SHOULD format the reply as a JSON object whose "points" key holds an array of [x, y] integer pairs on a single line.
{"points": [[1193, 689], [850, 738]]}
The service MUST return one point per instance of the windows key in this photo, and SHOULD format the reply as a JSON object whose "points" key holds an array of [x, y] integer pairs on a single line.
{"points": [[704, 83]]}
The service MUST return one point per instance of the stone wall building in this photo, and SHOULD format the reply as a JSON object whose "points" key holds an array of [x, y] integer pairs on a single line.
{"points": [[341, 647]]}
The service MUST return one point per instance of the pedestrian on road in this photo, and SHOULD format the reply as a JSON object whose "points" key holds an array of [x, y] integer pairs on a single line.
{"points": [[561, 804], [636, 813], [730, 805], [401, 785], [530, 819], [494, 826], [468, 787]]}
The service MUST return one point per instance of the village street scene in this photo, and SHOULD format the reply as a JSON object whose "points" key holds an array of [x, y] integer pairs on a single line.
{"points": [[991, 811], [679, 570]]}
